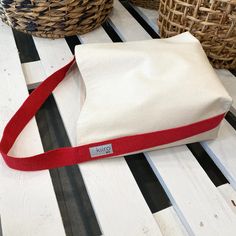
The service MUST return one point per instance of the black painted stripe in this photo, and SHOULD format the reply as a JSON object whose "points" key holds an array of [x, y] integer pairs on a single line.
{"points": [[72, 41], [75, 206], [26, 47], [1, 227], [139, 19], [233, 72], [207, 164], [231, 119], [111, 32], [149, 185]]}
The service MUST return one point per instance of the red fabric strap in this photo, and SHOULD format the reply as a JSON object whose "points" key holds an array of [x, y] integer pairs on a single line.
{"points": [[74, 155]]}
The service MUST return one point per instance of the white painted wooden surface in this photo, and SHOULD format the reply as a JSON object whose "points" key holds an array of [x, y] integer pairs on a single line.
{"points": [[150, 16], [229, 195], [222, 151], [98, 35], [32, 72], [25, 208], [170, 223], [198, 203], [118, 203], [0, 227]]}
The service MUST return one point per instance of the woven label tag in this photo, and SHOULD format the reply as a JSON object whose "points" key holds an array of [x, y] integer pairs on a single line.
{"points": [[100, 150]]}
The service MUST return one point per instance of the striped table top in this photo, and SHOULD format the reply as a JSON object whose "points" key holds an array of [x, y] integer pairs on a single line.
{"points": [[185, 190]]}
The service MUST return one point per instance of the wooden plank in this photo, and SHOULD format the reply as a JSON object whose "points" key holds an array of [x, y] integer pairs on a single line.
{"points": [[150, 16], [131, 31], [229, 195], [113, 176], [222, 151], [170, 223], [33, 73], [127, 213], [229, 81], [54, 54], [98, 35], [196, 200], [25, 209], [60, 56], [75, 207]]}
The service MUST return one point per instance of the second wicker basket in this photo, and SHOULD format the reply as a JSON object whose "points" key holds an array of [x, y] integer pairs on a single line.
{"points": [[213, 22]]}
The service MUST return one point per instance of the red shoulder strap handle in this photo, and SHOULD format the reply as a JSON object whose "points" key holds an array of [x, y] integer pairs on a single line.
{"points": [[73, 155]]}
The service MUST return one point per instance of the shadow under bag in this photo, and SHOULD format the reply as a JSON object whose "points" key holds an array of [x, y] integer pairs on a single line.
{"points": [[140, 96]]}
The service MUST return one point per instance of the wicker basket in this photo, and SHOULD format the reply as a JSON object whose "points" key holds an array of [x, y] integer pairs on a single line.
{"points": [[150, 4], [213, 22], [54, 18]]}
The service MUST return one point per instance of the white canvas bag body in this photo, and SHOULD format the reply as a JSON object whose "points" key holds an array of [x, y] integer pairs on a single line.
{"points": [[139, 96]]}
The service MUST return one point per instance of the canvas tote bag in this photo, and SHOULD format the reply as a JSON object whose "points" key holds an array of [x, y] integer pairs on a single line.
{"points": [[139, 96]]}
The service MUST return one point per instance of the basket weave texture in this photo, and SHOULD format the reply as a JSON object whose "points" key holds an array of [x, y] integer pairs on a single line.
{"points": [[54, 18], [213, 22], [150, 4]]}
